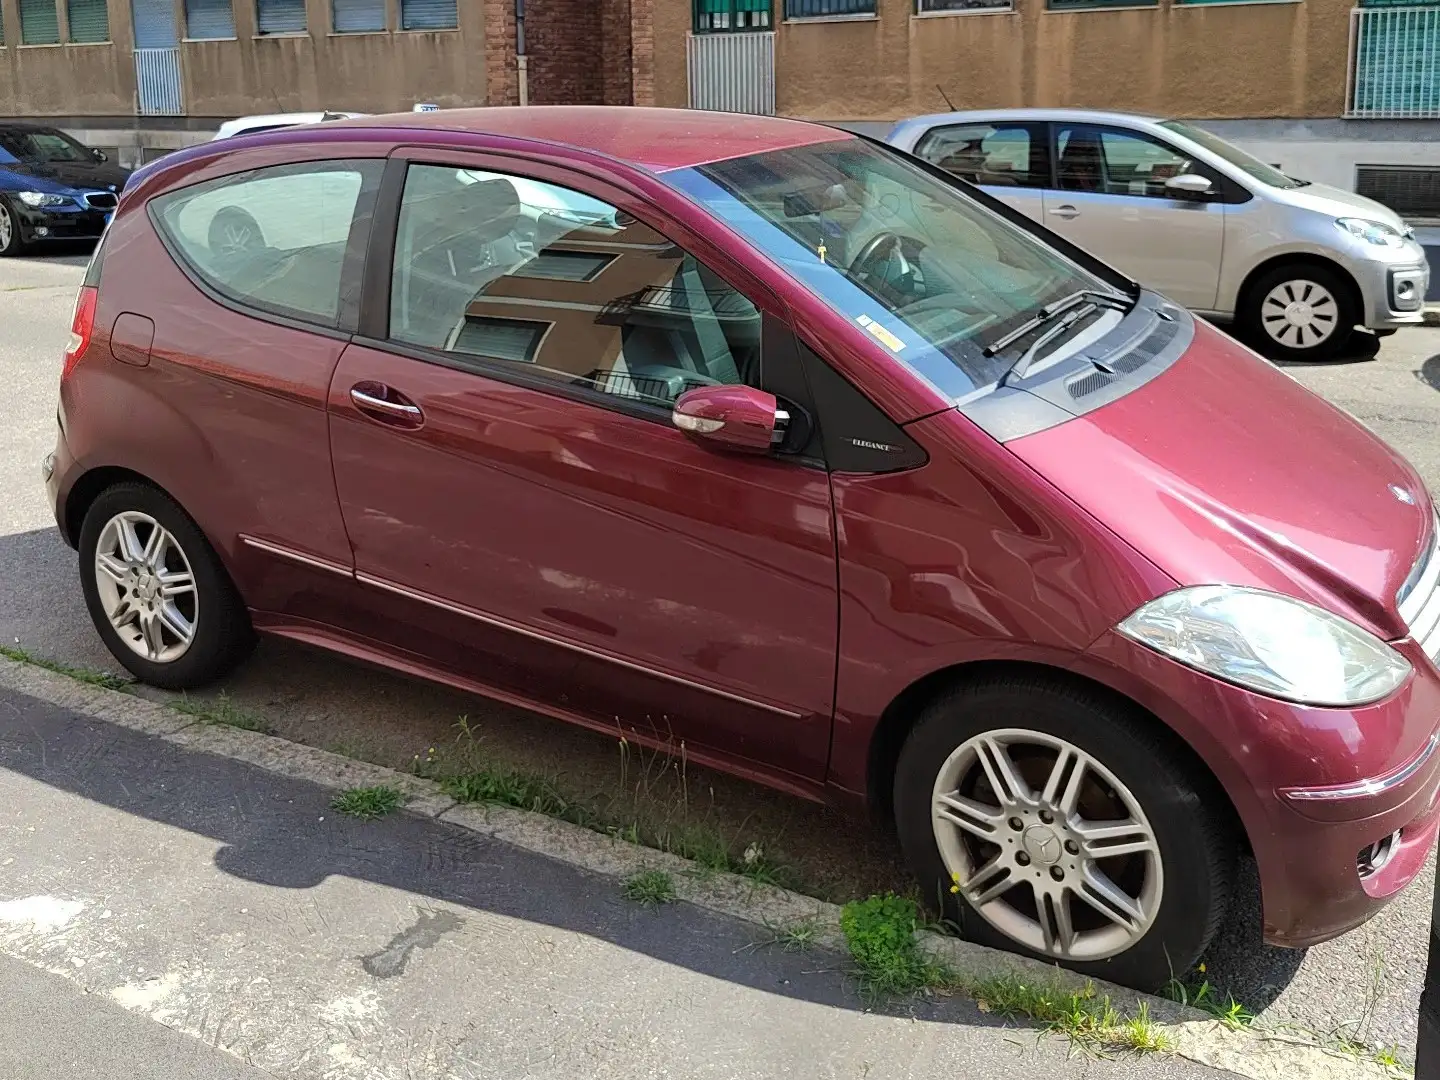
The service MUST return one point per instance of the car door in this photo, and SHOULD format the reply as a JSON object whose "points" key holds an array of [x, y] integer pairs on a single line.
{"points": [[1110, 198], [520, 502], [1009, 159]]}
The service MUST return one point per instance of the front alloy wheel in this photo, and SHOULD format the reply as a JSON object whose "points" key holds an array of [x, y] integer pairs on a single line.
{"points": [[146, 587], [1056, 820], [9, 231]]}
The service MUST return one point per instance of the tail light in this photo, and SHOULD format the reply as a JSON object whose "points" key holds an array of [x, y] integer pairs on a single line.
{"points": [[82, 329]]}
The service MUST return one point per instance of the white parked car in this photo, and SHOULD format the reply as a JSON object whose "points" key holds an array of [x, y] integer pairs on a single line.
{"points": [[1295, 265], [250, 125]]}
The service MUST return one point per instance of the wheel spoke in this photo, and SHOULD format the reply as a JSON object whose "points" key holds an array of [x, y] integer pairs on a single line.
{"points": [[131, 550], [1111, 839], [150, 631], [1005, 782], [988, 882], [123, 614], [1062, 787], [973, 817], [176, 582], [169, 616], [1053, 911], [112, 567], [1102, 894], [155, 548]]}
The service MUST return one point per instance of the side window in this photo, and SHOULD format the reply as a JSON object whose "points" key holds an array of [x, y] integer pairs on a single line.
{"points": [[994, 155], [498, 269], [272, 239], [1114, 162]]}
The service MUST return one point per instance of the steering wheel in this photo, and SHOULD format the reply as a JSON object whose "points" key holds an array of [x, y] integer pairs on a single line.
{"points": [[870, 266]]}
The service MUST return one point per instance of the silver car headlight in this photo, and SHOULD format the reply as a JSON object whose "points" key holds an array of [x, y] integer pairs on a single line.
{"points": [[1271, 644], [1372, 232], [41, 198]]}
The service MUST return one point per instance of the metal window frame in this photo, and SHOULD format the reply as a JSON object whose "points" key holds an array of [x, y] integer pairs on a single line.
{"points": [[857, 9]]}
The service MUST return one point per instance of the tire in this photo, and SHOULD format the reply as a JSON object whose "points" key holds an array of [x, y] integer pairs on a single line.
{"points": [[234, 232], [1389, 331], [146, 636], [1181, 888], [10, 242], [1299, 312]]}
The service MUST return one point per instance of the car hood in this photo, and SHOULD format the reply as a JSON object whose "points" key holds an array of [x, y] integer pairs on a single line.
{"points": [[1340, 203], [58, 176], [1225, 470]]}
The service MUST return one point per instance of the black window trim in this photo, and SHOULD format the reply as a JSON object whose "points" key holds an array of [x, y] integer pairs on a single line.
{"points": [[351, 268], [373, 326]]}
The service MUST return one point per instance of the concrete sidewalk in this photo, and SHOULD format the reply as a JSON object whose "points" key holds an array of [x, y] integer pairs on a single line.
{"points": [[234, 906]]}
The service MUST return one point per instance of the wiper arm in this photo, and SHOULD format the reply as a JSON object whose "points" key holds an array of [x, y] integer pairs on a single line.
{"points": [[1020, 367], [1098, 297]]}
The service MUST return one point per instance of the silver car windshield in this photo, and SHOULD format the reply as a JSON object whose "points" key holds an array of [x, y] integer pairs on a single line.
{"points": [[1251, 166], [935, 277]]}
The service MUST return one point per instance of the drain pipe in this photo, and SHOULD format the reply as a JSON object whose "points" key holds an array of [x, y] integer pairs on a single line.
{"points": [[520, 57]]}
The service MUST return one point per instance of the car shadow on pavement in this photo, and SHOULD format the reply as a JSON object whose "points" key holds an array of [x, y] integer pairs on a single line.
{"points": [[1429, 373], [1362, 348], [281, 832]]}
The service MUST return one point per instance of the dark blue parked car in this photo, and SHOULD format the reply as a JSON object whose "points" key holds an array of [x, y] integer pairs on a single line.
{"points": [[52, 187]]}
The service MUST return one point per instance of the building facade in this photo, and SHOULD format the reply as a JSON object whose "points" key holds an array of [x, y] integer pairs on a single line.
{"points": [[1339, 85]]}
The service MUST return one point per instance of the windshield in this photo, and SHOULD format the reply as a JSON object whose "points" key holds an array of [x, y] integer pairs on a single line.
{"points": [[41, 145], [933, 276], [1251, 166]]}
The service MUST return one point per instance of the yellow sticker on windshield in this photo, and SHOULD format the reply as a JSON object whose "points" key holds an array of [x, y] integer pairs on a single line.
{"points": [[880, 334]]}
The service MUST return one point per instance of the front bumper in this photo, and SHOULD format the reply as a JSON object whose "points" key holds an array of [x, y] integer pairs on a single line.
{"points": [[1394, 291], [1339, 805], [38, 225]]}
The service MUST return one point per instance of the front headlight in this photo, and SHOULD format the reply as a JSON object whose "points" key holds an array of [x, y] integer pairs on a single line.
{"points": [[41, 198], [1372, 232], [1271, 644]]}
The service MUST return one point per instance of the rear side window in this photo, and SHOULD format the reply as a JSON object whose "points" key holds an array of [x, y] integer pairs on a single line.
{"points": [[992, 155], [275, 240]]}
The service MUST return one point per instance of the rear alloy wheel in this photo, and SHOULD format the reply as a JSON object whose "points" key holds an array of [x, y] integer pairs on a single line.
{"points": [[1048, 821], [157, 592], [1300, 312], [10, 243]]}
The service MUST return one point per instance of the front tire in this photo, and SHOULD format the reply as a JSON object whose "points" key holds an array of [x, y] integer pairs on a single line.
{"points": [[1048, 820], [10, 242], [157, 592], [1300, 312]]}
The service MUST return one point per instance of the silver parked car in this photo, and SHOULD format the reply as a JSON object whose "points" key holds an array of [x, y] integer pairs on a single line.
{"points": [[1296, 265]]}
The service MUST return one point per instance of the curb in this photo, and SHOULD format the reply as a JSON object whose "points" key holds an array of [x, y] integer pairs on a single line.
{"points": [[1193, 1034]]}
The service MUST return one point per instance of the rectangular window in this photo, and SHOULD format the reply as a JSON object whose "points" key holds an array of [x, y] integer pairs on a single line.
{"points": [[428, 15], [1072, 5], [357, 16], [209, 19], [723, 16], [925, 7], [89, 21], [819, 9], [280, 17], [990, 155], [39, 22]]}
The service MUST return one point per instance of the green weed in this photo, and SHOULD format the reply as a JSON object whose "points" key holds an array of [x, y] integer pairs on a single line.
{"points": [[368, 803], [103, 679], [649, 888], [224, 712]]}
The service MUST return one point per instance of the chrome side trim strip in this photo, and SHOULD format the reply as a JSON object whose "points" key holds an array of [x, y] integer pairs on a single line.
{"points": [[1376, 786], [296, 556], [552, 639]]}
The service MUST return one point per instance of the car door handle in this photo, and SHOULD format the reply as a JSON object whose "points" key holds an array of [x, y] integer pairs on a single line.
{"points": [[1065, 211], [379, 402]]}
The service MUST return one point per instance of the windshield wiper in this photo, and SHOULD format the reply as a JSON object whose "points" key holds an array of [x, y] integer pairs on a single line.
{"points": [[1097, 297]]}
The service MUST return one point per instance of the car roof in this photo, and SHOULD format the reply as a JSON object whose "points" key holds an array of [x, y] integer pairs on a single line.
{"points": [[654, 139], [1090, 116]]}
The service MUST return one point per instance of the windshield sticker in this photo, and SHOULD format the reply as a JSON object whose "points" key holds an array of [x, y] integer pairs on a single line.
{"points": [[880, 334]]}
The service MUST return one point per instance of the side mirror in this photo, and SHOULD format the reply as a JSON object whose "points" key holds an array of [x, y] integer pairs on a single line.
{"points": [[1188, 184], [734, 417], [99, 155]]}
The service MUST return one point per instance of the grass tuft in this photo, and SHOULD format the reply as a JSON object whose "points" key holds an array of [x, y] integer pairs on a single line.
{"points": [[1207, 999], [104, 679], [649, 888], [368, 803], [224, 712]]}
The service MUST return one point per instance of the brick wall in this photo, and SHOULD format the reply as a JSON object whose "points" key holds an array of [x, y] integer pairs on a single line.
{"points": [[502, 83], [564, 43], [642, 51], [578, 52], [615, 52]]}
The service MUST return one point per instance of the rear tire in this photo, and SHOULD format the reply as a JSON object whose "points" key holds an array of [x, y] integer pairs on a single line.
{"points": [[1139, 918], [1299, 312], [158, 594]]}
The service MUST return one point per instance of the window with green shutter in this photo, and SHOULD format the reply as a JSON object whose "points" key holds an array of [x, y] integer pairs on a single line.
{"points": [[39, 22], [1080, 5], [280, 17], [723, 16], [357, 16], [209, 19], [89, 21]]}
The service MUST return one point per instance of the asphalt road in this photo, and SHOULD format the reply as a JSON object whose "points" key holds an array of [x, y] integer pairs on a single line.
{"points": [[1365, 985]]}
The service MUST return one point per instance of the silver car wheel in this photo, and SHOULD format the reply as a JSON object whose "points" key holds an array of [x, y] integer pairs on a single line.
{"points": [[1047, 845], [1300, 314], [7, 228], [146, 587]]}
